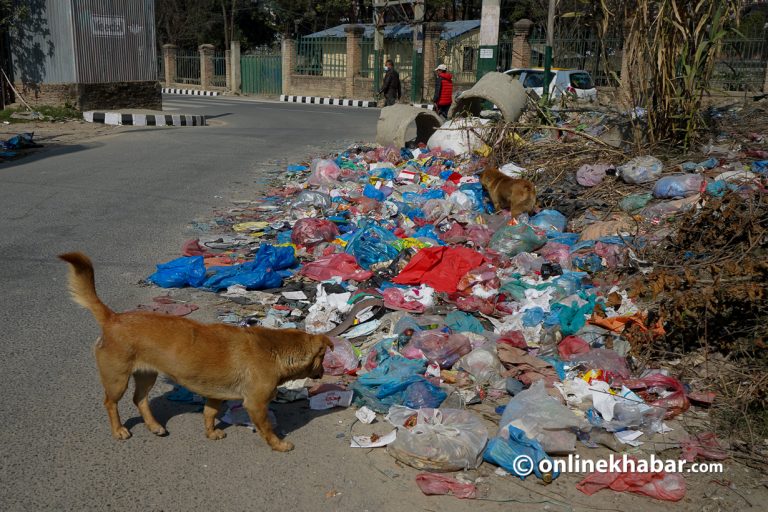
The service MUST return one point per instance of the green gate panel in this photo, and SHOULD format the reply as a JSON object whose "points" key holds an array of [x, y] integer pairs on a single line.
{"points": [[261, 74]]}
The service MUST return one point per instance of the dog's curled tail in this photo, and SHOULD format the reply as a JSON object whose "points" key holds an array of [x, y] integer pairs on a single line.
{"points": [[82, 285]]}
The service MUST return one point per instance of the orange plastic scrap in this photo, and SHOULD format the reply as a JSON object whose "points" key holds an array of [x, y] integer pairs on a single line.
{"points": [[222, 261], [619, 323]]}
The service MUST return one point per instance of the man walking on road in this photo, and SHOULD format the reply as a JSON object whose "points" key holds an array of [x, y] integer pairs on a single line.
{"points": [[443, 90], [391, 86]]}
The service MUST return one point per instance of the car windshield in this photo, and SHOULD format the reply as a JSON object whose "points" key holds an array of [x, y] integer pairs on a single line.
{"points": [[581, 81], [536, 79], [515, 74]]}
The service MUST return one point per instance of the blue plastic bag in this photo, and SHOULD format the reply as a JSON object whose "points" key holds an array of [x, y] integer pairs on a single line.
{"points": [[505, 452], [373, 193], [393, 375], [533, 316], [267, 270], [178, 273], [370, 244], [680, 185], [427, 231], [572, 318], [760, 166], [475, 193], [549, 220], [414, 392]]}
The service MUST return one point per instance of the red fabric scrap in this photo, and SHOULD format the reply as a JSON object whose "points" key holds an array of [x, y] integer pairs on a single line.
{"points": [[440, 267]]}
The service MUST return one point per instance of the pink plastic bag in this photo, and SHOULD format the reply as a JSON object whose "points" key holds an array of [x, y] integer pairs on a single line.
{"points": [[479, 234], [341, 265], [342, 359], [434, 483], [310, 232], [325, 173], [590, 175], [659, 485], [442, 348], [394, 298], [556, 253]]}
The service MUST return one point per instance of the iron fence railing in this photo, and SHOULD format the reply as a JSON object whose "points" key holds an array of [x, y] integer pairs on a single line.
{"points": [[188, 67], [321, 56], [581, 49], [219, 78], [741, 64]]}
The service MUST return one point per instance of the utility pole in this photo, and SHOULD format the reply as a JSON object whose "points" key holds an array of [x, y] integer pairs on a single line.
{"points": [[548, 47], [489, 37], [378, 41], [417, 61]]}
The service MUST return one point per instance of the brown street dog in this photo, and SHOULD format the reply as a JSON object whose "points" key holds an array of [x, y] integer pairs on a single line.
{"points": [[518, 195], [217, 361]]}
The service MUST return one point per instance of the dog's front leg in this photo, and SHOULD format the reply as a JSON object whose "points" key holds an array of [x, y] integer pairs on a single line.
{"points": [[210, 410], [257, 410]]}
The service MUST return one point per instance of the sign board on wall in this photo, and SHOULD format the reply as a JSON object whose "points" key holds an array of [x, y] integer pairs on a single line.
{"points": [[486, 53], [108, 26]]}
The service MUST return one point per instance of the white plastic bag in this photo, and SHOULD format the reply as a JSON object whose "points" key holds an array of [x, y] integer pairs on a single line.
{"points": [[543, 418], [442, 439]]}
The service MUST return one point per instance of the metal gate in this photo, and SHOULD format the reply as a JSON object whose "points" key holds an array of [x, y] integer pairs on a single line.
{"points": [[261, 74]]}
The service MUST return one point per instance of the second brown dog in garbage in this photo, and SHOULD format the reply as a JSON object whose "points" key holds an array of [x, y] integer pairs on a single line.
{"points": [[516, 194], [217, 361]]}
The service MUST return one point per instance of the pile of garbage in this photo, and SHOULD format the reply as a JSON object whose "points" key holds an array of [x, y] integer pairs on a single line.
{"points": [[435, 302], [9, 148]]}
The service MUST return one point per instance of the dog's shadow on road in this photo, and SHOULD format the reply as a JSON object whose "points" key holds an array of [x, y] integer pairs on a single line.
{"points": [[290, 416]]}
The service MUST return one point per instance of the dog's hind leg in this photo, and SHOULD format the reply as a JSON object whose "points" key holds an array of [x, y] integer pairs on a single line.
{"points": [[256, 405], [144, 380], [114, 377], [211, 409]]}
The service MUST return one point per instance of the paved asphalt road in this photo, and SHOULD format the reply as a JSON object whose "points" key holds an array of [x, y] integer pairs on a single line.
{"points": [[125, 199]]}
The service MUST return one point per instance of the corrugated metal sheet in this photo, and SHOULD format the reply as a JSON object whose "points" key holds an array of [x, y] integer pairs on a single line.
{"points": [[114, 40], [43, 47]]}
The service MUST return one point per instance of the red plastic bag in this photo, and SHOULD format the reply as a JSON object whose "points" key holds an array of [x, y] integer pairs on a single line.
{"points": [[676, 402], [433, 483], [705, 446], [440, 267], [310, 232], [513, 339], [341, 265], [572, 345], [659, 485]]}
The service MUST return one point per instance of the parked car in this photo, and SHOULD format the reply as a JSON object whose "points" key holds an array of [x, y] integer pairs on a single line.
{"points": [[574, 82]]}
